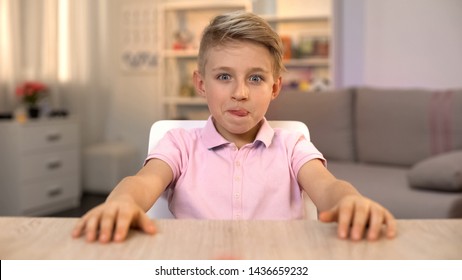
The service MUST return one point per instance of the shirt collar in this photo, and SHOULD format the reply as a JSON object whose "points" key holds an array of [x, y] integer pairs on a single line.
{"points": [[212, 139]]}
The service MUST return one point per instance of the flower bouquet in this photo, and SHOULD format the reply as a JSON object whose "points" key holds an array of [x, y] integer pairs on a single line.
{"points": [[30, 94]]}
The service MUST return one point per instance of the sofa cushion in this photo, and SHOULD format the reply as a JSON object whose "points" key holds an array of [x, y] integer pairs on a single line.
{"points": [[441, 172], [328, 116], [388, 185], [405, 126]]}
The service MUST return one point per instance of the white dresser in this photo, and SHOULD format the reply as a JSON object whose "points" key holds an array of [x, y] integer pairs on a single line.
{"points": [[39, 166]]}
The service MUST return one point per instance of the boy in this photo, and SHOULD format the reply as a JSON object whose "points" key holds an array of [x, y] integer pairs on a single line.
{"points": [[237, 166]]}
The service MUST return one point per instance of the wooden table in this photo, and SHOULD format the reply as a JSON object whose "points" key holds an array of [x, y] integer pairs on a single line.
{"points": [[50, 238]]}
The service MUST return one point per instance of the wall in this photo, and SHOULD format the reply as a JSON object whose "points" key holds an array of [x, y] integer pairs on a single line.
{"points": [[134, 99], [413, 43]]}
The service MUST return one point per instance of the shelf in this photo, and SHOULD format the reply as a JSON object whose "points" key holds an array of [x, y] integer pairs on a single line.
{"points": [[306, 62]]}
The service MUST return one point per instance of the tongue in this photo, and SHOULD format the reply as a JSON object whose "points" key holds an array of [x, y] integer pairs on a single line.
{"points": [[240, 113]]}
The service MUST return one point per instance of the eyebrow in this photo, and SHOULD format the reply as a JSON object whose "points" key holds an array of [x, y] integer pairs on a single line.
{"points": [[228, 69]]}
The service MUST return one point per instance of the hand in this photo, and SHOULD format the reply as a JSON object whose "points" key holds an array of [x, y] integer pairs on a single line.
{"points": [[355, 214], [111, 221]]}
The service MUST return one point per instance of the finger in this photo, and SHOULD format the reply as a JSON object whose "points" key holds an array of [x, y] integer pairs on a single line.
{"points": [[360, 218], [329, 216], [345, 218], [146, 224], [376, 220], [81, 226], [107, 225], [92, 227], [78, 228], [123, 222], [391, 225]]}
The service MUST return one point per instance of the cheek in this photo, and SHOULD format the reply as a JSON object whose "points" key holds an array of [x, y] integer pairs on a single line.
{"points": [[264, 95], [211, 87], [216, 93], [214, 100]]}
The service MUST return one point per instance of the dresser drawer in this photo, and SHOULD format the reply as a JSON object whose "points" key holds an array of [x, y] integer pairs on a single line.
{"points": [[46, 136], [49, 165], [39, 166], [42, 193]]}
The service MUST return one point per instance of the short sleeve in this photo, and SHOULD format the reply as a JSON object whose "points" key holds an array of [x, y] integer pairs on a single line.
{"points": [[304, 152], [172, 149]]}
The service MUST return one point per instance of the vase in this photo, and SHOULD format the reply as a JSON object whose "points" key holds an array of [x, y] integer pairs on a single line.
{"points": [[33, 112]]}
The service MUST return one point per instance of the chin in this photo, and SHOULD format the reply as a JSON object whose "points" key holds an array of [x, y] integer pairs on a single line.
{"points": [[243, 127]]}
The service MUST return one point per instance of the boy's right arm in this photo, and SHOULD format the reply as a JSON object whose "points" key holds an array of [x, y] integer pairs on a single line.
{"points": [[126, 205]]}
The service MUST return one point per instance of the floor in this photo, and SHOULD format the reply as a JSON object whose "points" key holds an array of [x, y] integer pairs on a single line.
{"points": [[88, 201]]}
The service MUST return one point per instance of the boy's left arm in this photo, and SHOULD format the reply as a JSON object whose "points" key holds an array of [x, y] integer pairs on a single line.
{"points": [[338, 201]]}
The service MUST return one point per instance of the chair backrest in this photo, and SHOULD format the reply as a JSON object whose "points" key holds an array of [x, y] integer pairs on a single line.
{"points": [[160, 209]]}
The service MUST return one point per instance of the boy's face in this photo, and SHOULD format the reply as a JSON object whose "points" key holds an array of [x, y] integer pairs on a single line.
{"points": [[239, 85]]}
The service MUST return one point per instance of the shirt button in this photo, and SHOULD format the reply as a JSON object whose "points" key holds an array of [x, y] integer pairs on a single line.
{"points": [[237, 195], [238, 163], [237, 178]]}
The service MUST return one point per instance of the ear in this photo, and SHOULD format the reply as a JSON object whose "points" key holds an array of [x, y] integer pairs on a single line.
{"points": [[276, 88], [199, 83]]}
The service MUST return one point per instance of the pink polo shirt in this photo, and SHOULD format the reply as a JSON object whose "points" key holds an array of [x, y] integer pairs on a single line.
{"points": [[212, 179]]}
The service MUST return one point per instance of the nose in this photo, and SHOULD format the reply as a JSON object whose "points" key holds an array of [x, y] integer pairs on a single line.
{"points": [[241, 92]]}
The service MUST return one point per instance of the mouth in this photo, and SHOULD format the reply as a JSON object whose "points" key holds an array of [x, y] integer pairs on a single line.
{"points": [[238, 112]]}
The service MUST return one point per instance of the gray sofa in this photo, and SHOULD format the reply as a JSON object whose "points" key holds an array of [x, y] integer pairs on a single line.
{"points": [[400, 147]]}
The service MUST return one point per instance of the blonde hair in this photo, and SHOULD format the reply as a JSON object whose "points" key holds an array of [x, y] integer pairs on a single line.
{"points": [[241, 26]]}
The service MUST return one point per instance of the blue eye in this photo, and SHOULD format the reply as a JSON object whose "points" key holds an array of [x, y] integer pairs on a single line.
{"points": [[224, 77], [256, 79]]}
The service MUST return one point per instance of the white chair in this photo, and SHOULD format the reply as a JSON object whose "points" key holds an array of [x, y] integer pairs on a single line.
{"points": [[160, 209]]}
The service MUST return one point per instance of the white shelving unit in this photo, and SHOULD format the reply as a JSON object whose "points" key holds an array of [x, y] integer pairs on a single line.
{"points": [[178, 61]]}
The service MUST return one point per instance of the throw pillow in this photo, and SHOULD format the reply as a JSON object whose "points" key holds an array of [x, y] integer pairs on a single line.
{"points": [[442, 172]]}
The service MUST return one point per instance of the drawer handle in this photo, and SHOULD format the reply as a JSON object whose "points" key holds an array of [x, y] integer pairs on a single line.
{"points": [[53, 137], [56, 191], [54, 164]]}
